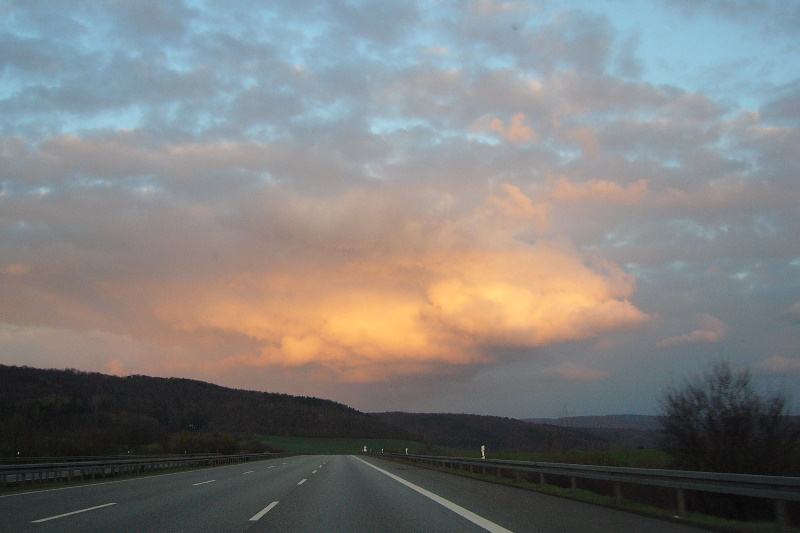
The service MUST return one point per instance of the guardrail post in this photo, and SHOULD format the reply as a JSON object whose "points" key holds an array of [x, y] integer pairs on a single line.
{"points": [[573, 483], [781, 516], [681, 502], [541, 479], [617, 493]]}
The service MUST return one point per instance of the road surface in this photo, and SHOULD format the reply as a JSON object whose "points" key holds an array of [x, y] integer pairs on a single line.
{"points": [[308, 494]]}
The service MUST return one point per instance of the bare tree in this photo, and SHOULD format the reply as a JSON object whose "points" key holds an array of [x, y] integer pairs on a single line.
{"points": [[718, 423]]}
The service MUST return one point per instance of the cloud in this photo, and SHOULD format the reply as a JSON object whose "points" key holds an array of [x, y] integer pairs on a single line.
{"points": [[779, 365], [599, 191], [711, 330], [516, 130], [373, 191], [768, 15], [514, 209], [793, 313], [369, 299], [15, 269], [783, 109], [54, 347], [571, 372], [116, 367], [367, 284]]}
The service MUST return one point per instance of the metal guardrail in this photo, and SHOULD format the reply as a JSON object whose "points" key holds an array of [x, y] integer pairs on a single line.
{"points": [[98, 468], [777, 488], [11, 461]]}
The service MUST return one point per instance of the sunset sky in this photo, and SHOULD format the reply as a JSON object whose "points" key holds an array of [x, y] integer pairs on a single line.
{"points": [[512, 208]]}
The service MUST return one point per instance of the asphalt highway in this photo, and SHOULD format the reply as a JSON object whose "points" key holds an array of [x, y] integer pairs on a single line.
{"points": [[309, 494]]}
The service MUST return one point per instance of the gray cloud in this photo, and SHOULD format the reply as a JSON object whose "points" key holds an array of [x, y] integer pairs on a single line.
{"points": [[785, 107], [770, 15]]}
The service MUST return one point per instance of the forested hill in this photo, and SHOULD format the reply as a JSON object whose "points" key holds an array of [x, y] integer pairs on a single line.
{"points": [[68, 412], [498, 434]]}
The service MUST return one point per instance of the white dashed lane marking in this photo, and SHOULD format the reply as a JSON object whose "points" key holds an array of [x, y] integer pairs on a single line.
{"points": [[72, 513], [263, 511]]}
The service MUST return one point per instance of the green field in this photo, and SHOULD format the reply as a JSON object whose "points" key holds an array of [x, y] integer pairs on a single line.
{"points": [[629, 458], [340, 446]]}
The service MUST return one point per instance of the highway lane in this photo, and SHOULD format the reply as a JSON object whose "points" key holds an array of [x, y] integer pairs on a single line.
{"points": [[309, 493], [220, 499], [348, 495], [353, 496]]}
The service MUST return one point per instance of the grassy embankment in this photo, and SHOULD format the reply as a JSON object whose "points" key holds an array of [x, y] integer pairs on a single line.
{"points": [[626, 458], [339, 446]]}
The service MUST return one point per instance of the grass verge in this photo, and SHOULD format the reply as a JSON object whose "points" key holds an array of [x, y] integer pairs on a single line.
{"points": [[341, 446]]}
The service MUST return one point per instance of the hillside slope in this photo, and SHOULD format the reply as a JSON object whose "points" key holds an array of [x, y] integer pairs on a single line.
{"points": [[631, 431], [65, 412], [639, 422], [498, 434]]}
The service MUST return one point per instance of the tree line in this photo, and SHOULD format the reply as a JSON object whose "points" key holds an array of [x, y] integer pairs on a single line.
{"points": [[719, 422], [70, 412]]}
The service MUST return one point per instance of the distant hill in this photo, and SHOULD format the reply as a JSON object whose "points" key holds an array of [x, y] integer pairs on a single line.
{"points": [[641, 422], [629, 430], [498, 434], [68, 412]]}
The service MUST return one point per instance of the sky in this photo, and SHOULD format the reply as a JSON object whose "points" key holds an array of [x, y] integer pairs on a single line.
{"points": [[522, 208]]}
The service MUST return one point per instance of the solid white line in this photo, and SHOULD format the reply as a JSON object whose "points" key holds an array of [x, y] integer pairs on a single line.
{"points": [[263, 511], [72, 513], [302, 481], [203, 482], [469, 515]]}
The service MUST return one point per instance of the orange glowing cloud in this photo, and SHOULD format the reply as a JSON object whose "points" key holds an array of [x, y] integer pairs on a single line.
{"points": [[15, 269], [712, 330], [514, 209], [364, 285], [367, 300], [516, 130], [596, 190]]}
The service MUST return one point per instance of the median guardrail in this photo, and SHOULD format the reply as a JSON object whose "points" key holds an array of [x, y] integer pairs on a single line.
{"points": [[36, 471], [780, 489]]}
